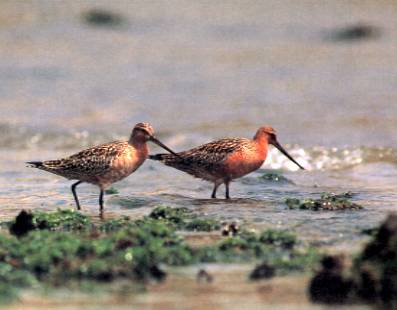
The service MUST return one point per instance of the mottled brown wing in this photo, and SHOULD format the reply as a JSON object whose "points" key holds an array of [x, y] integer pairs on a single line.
{"points": [[94, 161], [203, 161]]}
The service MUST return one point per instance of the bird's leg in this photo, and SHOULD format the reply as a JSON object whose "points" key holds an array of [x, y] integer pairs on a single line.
{"points": [[101, 202], [227, 182], [216, 185], [76, 199]]}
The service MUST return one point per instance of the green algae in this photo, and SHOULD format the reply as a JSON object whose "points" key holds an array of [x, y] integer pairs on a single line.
{"points": [[275, 177], [174, 216], [251, 246], [65, 247], [111, 191], [327, 202], [202, 225], [184, 219], [61, 220]]}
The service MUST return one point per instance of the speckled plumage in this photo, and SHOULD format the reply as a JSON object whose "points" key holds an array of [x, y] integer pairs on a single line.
{"points": [[90, 164], [223, 160], [104, 164], [207, 161]]}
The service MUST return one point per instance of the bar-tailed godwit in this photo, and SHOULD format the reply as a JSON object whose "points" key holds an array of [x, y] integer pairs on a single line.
{"points": [[104, 164], [223, 160]]}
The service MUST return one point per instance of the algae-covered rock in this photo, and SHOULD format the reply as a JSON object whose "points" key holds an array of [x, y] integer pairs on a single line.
{"points": [[184, 219], [65, 247], [327, 202], [375, 269], [59, 220]]}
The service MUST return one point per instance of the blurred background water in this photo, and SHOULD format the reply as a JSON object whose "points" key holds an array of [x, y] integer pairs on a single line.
{"points": [[324, 74]]}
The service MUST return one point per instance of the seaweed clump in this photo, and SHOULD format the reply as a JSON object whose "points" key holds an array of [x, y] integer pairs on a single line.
{"points": [[277, 248], [327, 202], [275, 177], [111, 191], [184, 219]]}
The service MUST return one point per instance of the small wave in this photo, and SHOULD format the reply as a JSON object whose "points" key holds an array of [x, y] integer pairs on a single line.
{"points": [[13, 137], [312, 158], [323, 158]]}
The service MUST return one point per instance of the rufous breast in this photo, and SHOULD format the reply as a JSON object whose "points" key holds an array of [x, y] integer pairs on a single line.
{"points": [[123, 165], [245, 161]]}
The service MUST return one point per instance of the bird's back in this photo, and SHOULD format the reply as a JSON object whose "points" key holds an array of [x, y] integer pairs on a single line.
{"points": [[86, 164], [205, 161]]}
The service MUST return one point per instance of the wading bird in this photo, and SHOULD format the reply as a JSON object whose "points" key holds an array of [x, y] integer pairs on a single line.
{"points": [[223, 160], [104, 164]]}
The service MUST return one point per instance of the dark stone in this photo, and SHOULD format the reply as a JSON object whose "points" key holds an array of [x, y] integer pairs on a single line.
{"points": [[377, 266], [367, 289], [101, 17], [230, 229], [332, 263], [355, 33], [328, 285], [23, 224], [105, 276], [157, 273], [123, 244], [204, 276], [263, 271]]}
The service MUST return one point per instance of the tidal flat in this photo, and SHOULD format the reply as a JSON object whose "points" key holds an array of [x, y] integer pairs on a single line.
{"points": [[74, 75], [46, 257]]}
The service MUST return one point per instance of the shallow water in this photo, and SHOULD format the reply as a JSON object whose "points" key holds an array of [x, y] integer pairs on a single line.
{"points": [[199, 71]]}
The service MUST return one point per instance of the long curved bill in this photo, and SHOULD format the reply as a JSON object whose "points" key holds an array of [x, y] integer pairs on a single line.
{"points": [[282, 150], [159, 143]]}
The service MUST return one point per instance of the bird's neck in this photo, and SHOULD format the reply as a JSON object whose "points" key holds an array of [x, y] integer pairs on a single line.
{"points": [[138, 142], [262, 146]]}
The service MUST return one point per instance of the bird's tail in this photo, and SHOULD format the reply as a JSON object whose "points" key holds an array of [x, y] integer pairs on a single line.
{"points": [[35, 164], [167, 159]]}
